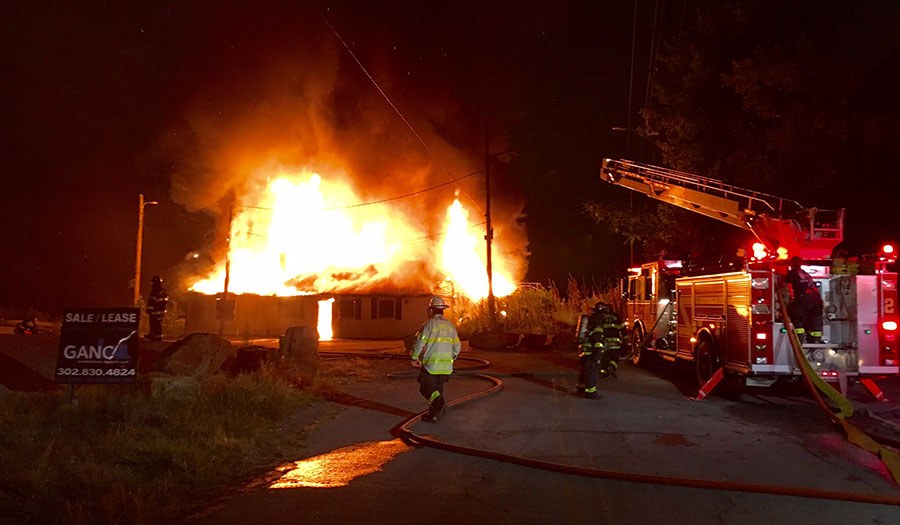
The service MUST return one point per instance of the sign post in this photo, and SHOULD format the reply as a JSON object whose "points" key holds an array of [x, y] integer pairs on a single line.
{"points": [[98, 345]]}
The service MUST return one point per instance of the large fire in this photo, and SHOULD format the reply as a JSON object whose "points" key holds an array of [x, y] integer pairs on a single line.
{"points": [[303, 233]]}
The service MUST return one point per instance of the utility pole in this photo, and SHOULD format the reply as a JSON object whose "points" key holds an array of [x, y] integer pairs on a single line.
{"points": [[489, 236], [140, 238], [225, 303]]}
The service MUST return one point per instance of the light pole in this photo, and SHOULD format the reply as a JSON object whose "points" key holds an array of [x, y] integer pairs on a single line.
{"points": [[140, 236]]}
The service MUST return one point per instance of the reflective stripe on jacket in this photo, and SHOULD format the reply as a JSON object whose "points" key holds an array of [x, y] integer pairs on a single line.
{"points": [[438, 345], [606, 333]]}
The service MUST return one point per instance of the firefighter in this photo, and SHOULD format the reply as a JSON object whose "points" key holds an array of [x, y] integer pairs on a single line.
{"points": [[599, 349], [156, 308], [437, 347], [806, 304]]}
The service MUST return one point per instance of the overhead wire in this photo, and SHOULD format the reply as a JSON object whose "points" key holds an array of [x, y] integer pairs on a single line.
{"points": [[380, 201], [393, 106]]}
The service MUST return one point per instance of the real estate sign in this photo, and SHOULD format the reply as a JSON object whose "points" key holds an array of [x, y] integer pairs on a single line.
{"points": [[98, 345]]}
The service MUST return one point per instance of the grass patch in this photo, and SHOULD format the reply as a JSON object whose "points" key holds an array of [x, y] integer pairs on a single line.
{"points": [[536, 309], [119, 455]]}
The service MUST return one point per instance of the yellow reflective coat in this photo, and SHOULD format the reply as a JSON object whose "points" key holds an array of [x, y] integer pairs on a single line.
{"points": [[437, 346]]}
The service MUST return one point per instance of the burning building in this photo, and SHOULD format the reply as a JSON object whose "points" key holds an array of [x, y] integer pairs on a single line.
{"points": [[320, 192], [307, 250]]}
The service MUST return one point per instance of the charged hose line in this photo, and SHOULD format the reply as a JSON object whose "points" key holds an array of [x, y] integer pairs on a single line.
{"points": [[889, 458], [403, 430]]}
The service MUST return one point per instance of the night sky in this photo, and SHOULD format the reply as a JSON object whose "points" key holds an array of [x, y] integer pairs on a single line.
{"points": [[173, 100]]}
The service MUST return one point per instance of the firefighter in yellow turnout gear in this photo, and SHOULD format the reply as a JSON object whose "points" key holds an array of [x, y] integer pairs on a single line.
{"points": [[437, 347], [601, 343]]}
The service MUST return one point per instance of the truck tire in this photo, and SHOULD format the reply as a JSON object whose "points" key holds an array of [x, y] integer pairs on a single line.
{"points": [[638, 355], [705, 361]]}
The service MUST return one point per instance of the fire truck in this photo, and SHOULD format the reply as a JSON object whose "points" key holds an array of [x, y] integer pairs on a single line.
{"points": [[726, 314]]}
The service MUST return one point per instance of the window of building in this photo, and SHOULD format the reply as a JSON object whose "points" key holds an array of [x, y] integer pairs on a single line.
{"points": [[350, 308], [387, 308]]}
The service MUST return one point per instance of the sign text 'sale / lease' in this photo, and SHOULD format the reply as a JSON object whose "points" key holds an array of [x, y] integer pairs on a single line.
{"points": [[98, 345]]}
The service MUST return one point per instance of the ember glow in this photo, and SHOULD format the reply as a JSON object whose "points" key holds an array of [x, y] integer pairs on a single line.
{"points": [[302, 233]]}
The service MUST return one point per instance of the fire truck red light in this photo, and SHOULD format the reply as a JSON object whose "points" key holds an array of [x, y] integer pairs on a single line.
{"points": [[890, 326], [761, 336]]}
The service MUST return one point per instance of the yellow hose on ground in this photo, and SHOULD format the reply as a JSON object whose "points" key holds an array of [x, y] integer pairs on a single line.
{"points": [[815, 383]]}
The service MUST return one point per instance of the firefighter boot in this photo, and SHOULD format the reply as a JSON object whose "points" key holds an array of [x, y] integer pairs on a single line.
{"points": [[434, 410]]}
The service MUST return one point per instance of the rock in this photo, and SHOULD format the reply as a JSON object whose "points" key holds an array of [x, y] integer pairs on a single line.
{"points": [[175, 388], [147, 358], [533, 341], [300, 344], [494, 341], [247, 359], [197, 355], [408, 343], [563, 340]]}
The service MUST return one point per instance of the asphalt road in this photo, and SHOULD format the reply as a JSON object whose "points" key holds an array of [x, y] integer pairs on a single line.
{"points": [[357, 472]]}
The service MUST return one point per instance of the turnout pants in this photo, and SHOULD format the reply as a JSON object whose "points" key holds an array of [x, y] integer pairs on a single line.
{"points": [[431, 386], [156, 325], [806, 314], [588, 375]]}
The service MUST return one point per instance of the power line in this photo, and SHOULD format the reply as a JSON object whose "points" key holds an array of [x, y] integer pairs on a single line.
{"points": [[381, 201], [393, 106], [408, 241], [452, 181]]}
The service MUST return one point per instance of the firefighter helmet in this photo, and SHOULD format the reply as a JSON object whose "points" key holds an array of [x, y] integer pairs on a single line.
{"points": [[156, 280], [437, 303], [600, 307]]}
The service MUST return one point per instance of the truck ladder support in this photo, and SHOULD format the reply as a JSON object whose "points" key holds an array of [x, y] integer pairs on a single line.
{"points": [[706, 389], [873, 389]]}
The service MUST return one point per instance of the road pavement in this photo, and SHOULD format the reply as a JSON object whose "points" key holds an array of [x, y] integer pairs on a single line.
{"points": [[642, 423]]}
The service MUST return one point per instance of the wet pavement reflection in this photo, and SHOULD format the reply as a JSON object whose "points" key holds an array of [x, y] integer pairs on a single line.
{"points": [[339, 467]]}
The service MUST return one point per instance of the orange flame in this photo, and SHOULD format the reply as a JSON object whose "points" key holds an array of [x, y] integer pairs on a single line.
{"points": [[463, 257], [305, 234]]}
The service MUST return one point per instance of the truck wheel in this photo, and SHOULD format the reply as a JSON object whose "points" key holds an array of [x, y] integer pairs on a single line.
{"points": [[705, 361], [638, 356]]}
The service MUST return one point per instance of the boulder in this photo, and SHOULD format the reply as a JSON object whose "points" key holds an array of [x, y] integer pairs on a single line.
{"points": [[175, 388], [247, 359], [197, 355], [494, 341], [564, 340], [300, 345], [533, 342], [408, 343]]}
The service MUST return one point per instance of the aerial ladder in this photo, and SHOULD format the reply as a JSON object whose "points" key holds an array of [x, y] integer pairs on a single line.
{"points": [[783, 226]]}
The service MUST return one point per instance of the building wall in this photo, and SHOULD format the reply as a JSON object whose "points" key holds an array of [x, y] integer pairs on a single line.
{"points": [[254, 315], [378, 316], [395, 316]]}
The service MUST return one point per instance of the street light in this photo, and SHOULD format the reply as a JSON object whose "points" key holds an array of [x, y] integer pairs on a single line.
{"points": [[140, 236]]}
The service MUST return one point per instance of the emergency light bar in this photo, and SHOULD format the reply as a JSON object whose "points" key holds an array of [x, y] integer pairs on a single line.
{"points": [[887, 254]]}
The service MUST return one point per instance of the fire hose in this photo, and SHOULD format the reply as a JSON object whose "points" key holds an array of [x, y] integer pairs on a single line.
{"points": [[815, 384], [403, 431]]}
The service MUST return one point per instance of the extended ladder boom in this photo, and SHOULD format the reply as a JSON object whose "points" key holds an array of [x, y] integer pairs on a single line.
{"points": [[777, 222]]}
